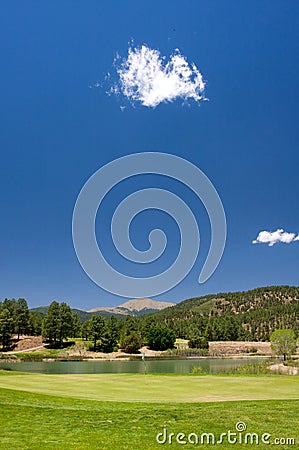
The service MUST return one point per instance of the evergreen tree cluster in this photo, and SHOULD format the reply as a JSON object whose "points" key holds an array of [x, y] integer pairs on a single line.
{"points": [[16, 319]]}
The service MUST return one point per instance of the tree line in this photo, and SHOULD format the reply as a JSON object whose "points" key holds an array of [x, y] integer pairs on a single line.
{"points": [[238, 316]]}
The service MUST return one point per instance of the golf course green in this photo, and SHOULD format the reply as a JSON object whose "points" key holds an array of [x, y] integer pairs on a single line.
{"points": [[125, 411], [154, 388]]}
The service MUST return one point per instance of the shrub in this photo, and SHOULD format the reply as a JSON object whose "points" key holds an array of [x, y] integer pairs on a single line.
{"points": [[132, 342], [160, 338]]}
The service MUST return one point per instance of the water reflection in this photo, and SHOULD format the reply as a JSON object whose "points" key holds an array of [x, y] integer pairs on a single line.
{"points": [[165, 366]]}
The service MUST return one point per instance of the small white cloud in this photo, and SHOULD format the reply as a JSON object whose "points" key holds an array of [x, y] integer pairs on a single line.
{"points": [[146, 77], [273, 237]]}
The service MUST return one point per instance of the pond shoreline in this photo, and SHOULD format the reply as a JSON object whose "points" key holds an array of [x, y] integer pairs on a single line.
{"points": [[14, 358], [31, 350]]}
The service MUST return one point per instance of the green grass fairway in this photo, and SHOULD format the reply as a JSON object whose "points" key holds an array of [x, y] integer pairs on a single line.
{"points": [[155, 388], [79, 417]]}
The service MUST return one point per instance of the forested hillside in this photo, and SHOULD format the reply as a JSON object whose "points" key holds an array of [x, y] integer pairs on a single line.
{"points": [[250, 315]]}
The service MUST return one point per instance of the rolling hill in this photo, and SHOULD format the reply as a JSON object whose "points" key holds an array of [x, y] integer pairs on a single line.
{"points": [[83, 315], [251, 315]]}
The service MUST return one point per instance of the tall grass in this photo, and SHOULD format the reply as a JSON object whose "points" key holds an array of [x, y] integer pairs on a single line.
{"points": [[260, 368]]}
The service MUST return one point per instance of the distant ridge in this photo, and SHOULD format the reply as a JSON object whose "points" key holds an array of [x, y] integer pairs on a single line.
{"points": [[135, 307]]}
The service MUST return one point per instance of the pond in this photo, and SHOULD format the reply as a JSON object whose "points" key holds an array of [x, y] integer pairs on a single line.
{"points": [[179, 366]]}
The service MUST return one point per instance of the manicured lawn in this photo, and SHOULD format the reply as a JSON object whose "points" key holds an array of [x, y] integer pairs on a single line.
{"points": [[77, 418], [155, 388]]}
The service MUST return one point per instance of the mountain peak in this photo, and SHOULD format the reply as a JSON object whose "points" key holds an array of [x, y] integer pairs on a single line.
{"points": [[139, 304], [136, 306]]}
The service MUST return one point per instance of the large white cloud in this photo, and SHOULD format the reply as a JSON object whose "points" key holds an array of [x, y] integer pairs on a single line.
{"points": [[146, 77], [273, 237]]}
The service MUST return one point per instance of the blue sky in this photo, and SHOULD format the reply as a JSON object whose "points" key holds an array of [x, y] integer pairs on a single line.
{"points": [[56, 131]]}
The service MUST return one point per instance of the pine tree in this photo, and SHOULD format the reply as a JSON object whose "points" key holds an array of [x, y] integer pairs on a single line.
{"points": [[21, 316], [51, 323], [6, 327]]}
